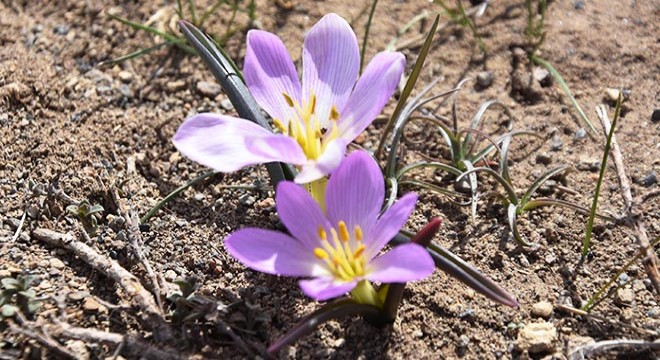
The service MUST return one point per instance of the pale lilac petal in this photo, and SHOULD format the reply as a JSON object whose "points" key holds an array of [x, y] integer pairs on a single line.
{"points": [[301, 215], [325, 288], [324, 165], [407, 262], [389, 224], [331, 61], [374, 89], [227, 144], [273, 252], [355, 192], [269, 72]]}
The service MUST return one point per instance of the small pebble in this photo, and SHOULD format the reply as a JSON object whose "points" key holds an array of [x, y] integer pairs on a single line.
{"points": [[226, 104], [588, 164], [537, 338], [542, 309], [208, 89], [61, 30], [176, 85], [246, 200], [90, 304], [56, 263], [578, 4], [543, 158], [556, 144], [655, 116], [170, 275], [648, 180], [125, 76], [581, 133], [542, 76], [625, 296], [484, 79]]}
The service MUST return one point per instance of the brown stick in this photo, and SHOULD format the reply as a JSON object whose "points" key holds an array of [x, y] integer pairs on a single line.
{"points": [[26, 328], [139, 296], [136, 244], [130, 346], [633, 217]]}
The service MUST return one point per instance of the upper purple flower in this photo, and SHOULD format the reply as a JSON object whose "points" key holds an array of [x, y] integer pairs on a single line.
{"points": [[339, 248], [316, 120]]}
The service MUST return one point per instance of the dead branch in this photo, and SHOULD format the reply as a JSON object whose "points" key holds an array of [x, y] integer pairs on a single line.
{"points": [[589, 350], [129, 345], [139, 296], [27, 329], [136, 244], [633, 217]]}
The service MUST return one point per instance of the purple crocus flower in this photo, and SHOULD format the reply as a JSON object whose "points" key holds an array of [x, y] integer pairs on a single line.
{"points": [[316, 120], [337, 249]]}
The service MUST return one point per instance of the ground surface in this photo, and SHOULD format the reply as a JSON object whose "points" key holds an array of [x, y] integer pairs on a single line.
{"points": [[67, 124]]}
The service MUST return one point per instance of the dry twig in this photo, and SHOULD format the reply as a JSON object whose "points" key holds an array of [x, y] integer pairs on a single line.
{"points": [[633, 217], [589, 350], [139, 296]]}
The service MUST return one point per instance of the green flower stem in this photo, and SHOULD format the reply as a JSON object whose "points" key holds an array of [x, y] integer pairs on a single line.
{"points": [[317, 190], [364, 293]]}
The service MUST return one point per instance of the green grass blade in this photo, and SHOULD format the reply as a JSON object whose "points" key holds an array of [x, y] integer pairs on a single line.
{"points": [[366, 33], [173, 195], [511, 193], [410, 84], [512, 217], [180, 42], [538, 182], [601, 175], [567, 91], [134, 54]]}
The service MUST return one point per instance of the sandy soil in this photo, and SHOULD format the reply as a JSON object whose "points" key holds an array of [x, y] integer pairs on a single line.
{"points": [[71, 130]]}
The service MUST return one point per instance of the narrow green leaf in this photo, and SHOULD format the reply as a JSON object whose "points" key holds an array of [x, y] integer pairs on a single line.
{"points": [[601, 175], [410, 84]]}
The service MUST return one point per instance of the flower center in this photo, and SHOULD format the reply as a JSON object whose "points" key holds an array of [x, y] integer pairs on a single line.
{"points": [[343, 253], [307, 129]]}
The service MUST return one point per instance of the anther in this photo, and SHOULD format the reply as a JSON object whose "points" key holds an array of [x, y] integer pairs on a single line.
{"points": [[322, 234], [288, 99], [312, 105], [358, 233], [334, 114], [279, 125], [321, 254], [343, 232], [359, 251]]}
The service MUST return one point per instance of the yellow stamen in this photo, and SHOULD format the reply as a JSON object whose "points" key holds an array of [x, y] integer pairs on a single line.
{"points": [[322, 234], [358, 233], [321, 254], [312, 104], [343, 232], [359, 251], [279, 125], [334, 114], [288, 99]]}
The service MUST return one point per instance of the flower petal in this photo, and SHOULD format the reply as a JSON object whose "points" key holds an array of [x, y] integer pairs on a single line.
{"points": [[227, 144], [371, 93], [389, 224], [269, 73], [324, 165], [273, 252], [407, 262], [325, 288], [301, 215], [355, 192], [331, 61]]}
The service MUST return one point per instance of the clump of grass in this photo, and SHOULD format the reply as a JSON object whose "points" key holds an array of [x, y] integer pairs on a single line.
{"points": [[85, 212], [171, 38]]}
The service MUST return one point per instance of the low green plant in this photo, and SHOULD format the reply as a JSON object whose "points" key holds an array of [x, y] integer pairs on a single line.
{"points": [[17, 295], [84, 211]]}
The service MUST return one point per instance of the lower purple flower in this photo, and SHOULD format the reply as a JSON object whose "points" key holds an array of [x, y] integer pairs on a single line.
{"points": [[337, 249]]}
